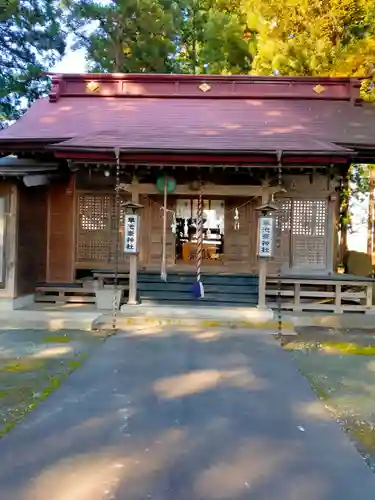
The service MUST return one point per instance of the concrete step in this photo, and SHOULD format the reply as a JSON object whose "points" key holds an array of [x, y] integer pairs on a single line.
{"points": [[48, 320], [186, 316]]}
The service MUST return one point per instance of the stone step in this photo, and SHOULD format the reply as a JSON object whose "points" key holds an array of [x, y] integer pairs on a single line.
{"points": [[186, 287], [227, 280], [188, 297]]}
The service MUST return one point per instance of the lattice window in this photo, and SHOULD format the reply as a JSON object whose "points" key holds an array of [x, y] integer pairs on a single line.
{"points": [[93, 212], [309, 217], [283, 220], [96, 229], [309, 233], [302, 238]]}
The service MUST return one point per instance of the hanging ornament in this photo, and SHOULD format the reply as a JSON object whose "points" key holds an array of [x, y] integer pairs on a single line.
{"points": [[221, 226], [236, 220], [174, 224]]}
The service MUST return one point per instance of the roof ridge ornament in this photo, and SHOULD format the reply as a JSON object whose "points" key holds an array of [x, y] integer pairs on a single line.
{"points": [[55, 92], [93, 86], [204, 87], [319, 89]]}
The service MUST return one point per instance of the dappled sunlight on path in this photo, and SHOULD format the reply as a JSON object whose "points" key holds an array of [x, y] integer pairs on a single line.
{"points": [[183, 415]]}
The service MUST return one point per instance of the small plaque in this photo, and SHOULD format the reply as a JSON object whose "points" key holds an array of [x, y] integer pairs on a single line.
{"points": [[265, 248], [319, 89], [204, 87], [131, 234]]}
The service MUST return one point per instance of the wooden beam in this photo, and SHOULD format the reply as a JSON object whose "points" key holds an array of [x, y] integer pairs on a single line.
{"points": [[208, 190]]}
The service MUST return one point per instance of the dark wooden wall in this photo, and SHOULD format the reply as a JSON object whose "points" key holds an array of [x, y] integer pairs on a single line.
{"points": [[61, 225], [31, 238], [152, 232], [240, 244]]}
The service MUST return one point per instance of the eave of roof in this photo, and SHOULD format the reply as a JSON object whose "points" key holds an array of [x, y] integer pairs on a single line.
{"points": [[11, 166], [162, 114]]}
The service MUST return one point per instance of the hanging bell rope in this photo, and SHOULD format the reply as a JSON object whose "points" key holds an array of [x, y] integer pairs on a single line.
{"points": [[163, 271], [115, 299], [279, 244], [198, 289]]}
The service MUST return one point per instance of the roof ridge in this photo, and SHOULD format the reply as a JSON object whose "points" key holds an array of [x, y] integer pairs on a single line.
{"points": [[203, 86]]}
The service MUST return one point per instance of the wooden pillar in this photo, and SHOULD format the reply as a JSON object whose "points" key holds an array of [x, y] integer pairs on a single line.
{"points": [[133, 259], [263, 262], [332, 241], [338, 306], [10, 242]]}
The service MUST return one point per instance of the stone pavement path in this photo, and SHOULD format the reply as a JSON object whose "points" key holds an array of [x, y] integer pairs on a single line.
{"points": [[194, 416]]}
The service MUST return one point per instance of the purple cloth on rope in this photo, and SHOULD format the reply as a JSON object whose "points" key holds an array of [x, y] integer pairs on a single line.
{"points": [[198, 290]]}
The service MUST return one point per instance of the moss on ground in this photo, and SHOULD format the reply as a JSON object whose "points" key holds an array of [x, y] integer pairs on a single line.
{"points": [[340, 374], [24, 365], [26, 381], [57, 339], [349, 348]]}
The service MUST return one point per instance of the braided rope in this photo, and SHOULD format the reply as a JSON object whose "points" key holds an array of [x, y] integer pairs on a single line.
{"points": [[279, 243], [199, 234], [163, 271]]}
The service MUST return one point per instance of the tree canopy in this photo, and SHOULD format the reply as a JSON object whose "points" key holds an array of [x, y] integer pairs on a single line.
{"points": [[286, 37], [162, 36], [313, 37], [31, 40]]}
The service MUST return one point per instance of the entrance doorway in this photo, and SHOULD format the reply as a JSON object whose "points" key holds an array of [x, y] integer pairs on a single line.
{"points": [[186, 231]]}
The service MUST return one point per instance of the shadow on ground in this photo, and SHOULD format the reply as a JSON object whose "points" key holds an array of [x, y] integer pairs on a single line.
{"points": [[192, 415]]}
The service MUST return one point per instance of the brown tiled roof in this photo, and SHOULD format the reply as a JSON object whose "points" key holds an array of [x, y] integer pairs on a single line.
{"points": [[230, 121]]}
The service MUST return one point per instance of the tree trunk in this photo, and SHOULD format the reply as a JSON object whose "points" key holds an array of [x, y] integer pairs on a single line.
{"points": [[370, 220], [344, 211]]}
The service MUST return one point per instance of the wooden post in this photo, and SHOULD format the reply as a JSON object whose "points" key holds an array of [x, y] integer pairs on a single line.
{"points": [[338, 308], [297, 297], [369, 295], [344, 211], [263, 263], [133, 264]]}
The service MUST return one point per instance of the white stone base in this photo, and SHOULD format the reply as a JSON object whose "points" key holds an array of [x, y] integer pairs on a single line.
{"points": [[104, 299], [10, 304]]}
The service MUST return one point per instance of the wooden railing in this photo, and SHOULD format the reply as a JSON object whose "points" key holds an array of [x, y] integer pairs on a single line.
{"points": [[340, 293]]}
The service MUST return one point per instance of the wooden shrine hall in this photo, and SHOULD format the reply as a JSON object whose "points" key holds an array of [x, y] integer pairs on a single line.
{"points": [[236, 141]]}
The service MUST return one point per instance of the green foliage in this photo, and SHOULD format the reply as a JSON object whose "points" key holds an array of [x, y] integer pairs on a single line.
{"points": [[314, 37], [354, 192], [125, 36], [31, 41], [213, 38], [161, 36]]}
